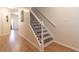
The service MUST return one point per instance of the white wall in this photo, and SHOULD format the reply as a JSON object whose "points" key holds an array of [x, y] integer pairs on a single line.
{"points": [[67, 24], [4, 25], [24, 27]]}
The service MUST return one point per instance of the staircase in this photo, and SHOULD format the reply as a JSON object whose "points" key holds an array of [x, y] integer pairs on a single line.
{"points": [[41, 32], [37, 28]]}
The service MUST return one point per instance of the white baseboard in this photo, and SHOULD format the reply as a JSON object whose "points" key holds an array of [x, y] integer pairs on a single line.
{"points": [[66, 45], [30, 41]]}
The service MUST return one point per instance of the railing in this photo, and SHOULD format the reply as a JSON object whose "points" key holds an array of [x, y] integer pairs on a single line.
{"points": [[39, 40], [44, 22], [50, 26], [38, 13]]}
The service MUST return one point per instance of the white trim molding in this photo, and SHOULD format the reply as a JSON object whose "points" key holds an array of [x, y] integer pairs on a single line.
{"points": [[73, 48]]}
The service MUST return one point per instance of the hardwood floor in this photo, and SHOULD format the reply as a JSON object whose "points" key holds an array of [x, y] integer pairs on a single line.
{"points": [[55, 47], [15, 43]]}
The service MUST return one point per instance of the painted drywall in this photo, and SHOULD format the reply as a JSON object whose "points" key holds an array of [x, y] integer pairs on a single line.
{"points": [[24, 27], [67, 24], [4, 25]]}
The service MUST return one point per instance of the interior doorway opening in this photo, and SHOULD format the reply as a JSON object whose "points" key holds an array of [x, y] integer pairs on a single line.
{"points": [[14, 20]]}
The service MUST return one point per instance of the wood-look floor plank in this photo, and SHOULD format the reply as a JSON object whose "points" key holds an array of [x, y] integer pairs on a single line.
{"points": [[55, 47], [19, 44]]}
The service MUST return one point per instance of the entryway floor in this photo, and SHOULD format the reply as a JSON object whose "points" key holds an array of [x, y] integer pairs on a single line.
{"points": [[55, 47], [16, 43]]}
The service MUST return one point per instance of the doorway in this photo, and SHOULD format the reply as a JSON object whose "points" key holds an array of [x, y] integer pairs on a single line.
{"points": [[14, 23], [14, 20]]}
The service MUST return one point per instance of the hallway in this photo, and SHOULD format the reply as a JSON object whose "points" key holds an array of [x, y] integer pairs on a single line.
{"points": [[29, 30], [15, 43]]}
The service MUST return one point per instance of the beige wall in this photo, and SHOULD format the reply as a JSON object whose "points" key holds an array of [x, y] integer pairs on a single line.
{"points": [[24, 28], [67, 24], [4, 26]]}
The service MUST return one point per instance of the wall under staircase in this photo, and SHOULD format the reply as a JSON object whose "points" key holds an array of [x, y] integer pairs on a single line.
{"points": [[25, 30]]}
